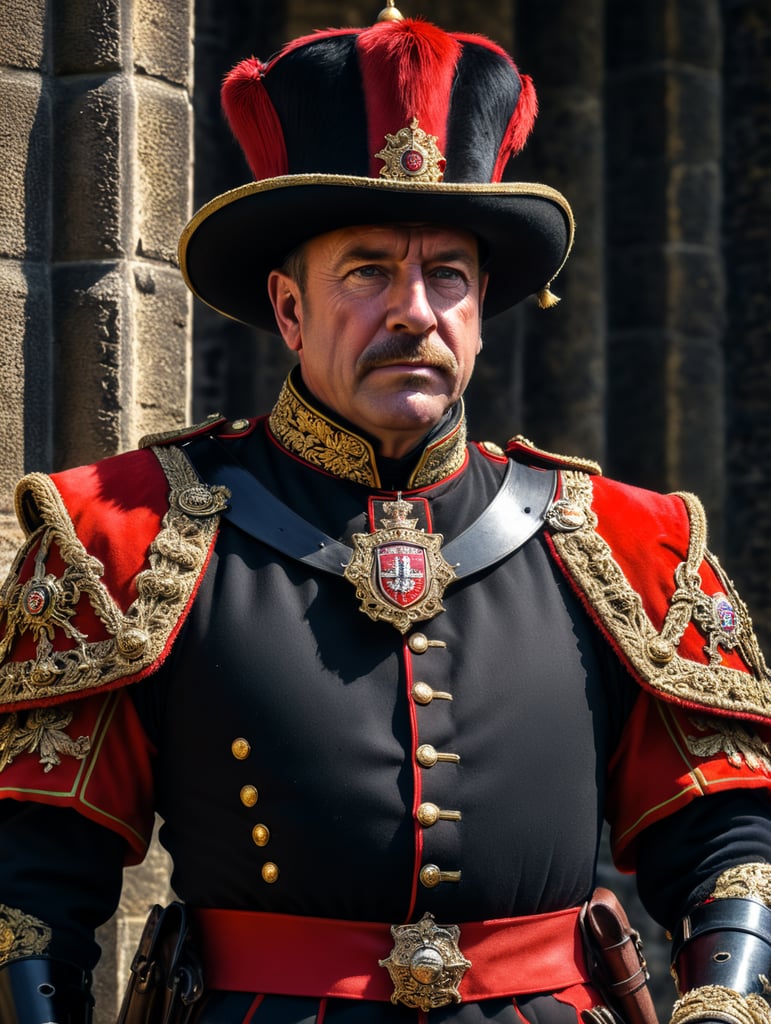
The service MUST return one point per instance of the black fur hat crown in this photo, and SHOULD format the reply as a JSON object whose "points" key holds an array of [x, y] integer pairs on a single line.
{"points": [[401, 122]]}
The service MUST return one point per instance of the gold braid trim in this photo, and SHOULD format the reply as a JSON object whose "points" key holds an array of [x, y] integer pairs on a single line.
{"points": [[46, 605], [745, 881], [652, 653], [21, 935], [713, 1002], [327, 445]]}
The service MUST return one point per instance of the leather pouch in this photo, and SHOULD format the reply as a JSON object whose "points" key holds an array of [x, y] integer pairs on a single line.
{"points": [[616, 961], [166, 979]]}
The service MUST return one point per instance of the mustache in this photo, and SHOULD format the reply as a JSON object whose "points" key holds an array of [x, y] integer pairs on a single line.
{"points": [[401, 348]]}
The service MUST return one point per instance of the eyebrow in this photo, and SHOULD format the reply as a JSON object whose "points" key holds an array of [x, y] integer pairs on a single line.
{"points": [[367, 254]]}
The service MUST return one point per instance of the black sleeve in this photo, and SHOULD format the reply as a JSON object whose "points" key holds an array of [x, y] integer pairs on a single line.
{"points": [[63, 869], [680, 857]]}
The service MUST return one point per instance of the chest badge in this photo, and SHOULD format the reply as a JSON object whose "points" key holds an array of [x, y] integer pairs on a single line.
{"points": [[399, 572]]}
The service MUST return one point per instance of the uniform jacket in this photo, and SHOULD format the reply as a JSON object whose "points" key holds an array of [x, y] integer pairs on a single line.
{"points": [[309, 757]]}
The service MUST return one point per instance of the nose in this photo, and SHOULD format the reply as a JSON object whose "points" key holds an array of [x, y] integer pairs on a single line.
{"points": [[409, 307]]}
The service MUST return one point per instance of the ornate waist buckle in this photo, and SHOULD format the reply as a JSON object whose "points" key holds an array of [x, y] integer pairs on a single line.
{"points": [[426, 965]]}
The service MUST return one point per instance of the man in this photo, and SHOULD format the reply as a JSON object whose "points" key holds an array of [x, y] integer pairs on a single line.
{"points": [[382, 684]]}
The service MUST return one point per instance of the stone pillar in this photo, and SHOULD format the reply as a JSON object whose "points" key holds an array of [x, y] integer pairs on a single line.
{"points": [[561, 46], [94, 317], [25, 239], [747, 239], [665, 278]]}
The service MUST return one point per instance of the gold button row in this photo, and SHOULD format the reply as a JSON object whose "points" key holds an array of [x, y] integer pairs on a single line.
{"points": [[240, 748]]}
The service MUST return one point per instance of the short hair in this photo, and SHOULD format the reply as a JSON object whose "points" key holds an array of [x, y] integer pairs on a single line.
{"points": [[296, 266]]}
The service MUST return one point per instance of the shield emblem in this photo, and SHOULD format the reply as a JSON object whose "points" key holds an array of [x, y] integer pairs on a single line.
{"points": [[402, 573], [399, 572]]}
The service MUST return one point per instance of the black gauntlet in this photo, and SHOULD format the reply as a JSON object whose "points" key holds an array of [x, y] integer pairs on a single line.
{"points": [[42, 990], [726, 942], [721, 953]]}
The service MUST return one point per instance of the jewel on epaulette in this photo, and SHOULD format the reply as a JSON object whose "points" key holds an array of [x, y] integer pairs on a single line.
{"points": [[212, 421], [523, 450]]}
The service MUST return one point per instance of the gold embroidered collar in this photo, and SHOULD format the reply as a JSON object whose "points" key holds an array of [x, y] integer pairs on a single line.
{"points": [[312, 435]]}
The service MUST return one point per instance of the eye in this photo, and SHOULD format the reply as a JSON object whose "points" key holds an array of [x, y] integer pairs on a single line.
{"points": [[368, 270], [449, 274]]}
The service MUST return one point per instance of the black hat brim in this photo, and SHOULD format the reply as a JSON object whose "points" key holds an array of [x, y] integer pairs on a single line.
{"points": [[231, 244]]}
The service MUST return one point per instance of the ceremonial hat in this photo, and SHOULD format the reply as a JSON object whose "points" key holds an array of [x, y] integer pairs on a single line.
{"points": [[400, 122]]}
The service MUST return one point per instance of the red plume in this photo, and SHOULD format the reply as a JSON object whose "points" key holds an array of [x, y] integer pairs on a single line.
{"points": [[519, 127], [407, 69], [253, 119]]}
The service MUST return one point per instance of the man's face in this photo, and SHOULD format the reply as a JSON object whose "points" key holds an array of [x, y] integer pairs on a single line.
{"points": [[386, 326]]}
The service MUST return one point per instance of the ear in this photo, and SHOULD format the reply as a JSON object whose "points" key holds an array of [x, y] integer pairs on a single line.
{"points": [[286, 300]]}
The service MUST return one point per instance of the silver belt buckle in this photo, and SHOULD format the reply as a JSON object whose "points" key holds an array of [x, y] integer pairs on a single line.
{"points": [[426, 965]]}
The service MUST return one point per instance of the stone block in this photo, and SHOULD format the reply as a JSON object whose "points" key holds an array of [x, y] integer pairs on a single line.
{"points": [[92, 168], [92, 346], [162, 307], [163, 171], [663, 202], [561, 46], [662, 113], [677, 288], [25, 373], [25, 145], [162, 31], [22, 34], [685, 31], [665, 426], [87, 36]]}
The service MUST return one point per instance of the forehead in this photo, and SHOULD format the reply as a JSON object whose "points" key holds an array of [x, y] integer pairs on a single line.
{"points": [[394, 241]]}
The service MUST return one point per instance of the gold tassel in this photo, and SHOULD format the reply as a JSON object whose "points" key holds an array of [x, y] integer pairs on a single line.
{"points": [[546, 298]]}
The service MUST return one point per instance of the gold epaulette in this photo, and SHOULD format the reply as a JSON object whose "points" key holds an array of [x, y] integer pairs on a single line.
{"points": [[527, 451], [212, 422]]}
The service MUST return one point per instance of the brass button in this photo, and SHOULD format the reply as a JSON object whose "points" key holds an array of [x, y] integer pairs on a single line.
{"points": [[239, 425], [422, 693], [261, 835], [427, 814], [249, 796], [418, 643], [269, 872], [430, 876], [241, 749], [426, 755]]}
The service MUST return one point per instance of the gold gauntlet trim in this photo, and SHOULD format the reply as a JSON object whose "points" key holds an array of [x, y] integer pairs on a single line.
{"points": [[713, 1002], [21, 935], [745, 881]]}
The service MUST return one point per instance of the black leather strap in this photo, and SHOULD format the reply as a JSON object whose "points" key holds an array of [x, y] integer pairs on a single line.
{"points": [[724, 942], [514, 515]]}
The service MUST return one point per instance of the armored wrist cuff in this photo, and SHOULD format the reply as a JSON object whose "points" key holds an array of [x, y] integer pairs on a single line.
{"points": [[42, 990], [725, 943]]}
